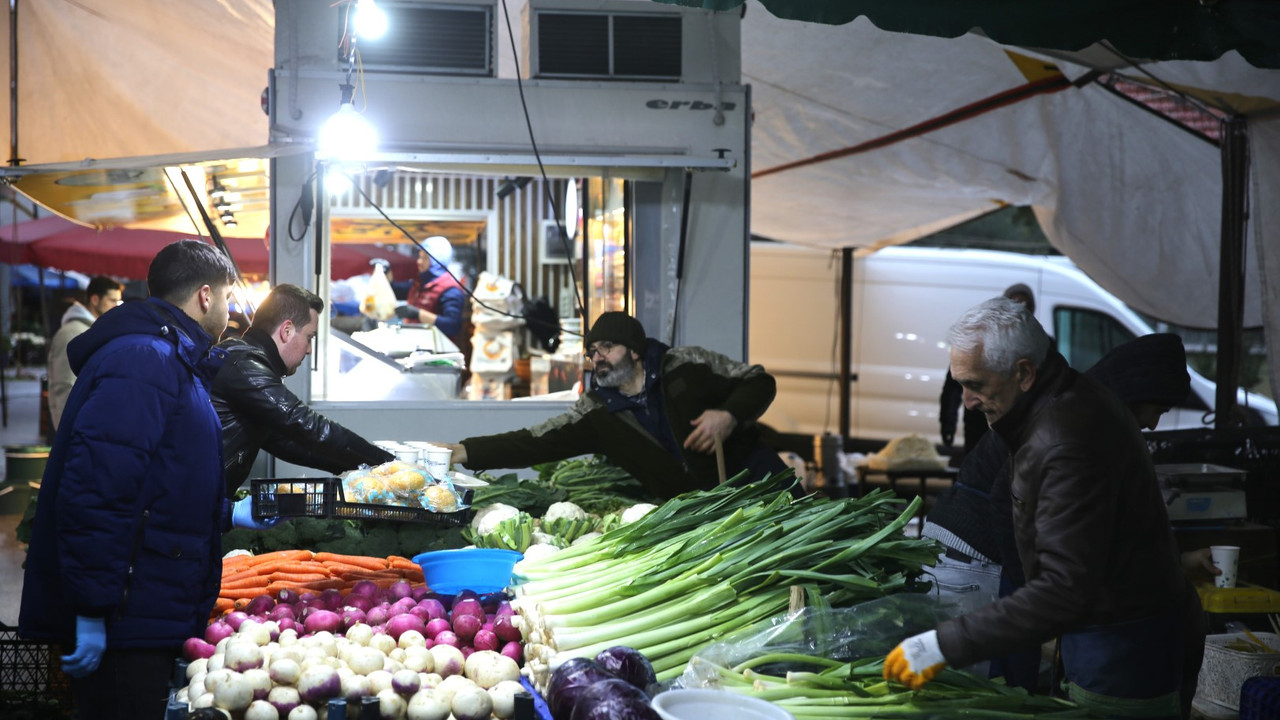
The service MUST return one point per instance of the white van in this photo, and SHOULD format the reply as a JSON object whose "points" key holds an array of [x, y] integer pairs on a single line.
{"points": [[904, 302]]}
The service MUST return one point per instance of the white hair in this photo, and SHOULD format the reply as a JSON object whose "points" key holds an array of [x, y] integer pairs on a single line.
{"points": [[1005, 330]]}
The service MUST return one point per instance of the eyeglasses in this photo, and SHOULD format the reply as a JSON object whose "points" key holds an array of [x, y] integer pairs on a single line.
{"points": [[602, 348]]}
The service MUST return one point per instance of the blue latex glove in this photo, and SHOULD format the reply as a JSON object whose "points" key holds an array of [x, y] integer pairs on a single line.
{"points": [[242, 517], [91, 641]]}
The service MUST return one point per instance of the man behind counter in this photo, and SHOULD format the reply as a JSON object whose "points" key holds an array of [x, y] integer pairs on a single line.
{"points": [[256, 409], [654, 410]]}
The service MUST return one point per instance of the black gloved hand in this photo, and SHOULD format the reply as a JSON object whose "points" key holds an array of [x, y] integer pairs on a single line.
{"points": [[408, 312]]}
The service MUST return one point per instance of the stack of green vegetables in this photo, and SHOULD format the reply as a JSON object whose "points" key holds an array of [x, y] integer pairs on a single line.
{"points": [[594, 484], [857, 690], [708, 563]]}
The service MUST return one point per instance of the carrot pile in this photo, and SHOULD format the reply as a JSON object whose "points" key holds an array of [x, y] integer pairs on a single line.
{"points": [[245, 577]]}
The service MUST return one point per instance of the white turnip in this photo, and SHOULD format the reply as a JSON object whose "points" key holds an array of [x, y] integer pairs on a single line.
{"points": [[261, 710], [471, 703], [487, 668], [360, 634], [412, 638], [303, 712], [383, 642], [260, 681], [448, 637], [318, 683], [231, 691], [406, 682], [425, 705], [365, 660], [355, 687], [242, 655], [419, 659], [448, 660], [284, 670], [447, 687], [391, 706], [197, 666], [504, 698], [379, 680], [284, 699]]}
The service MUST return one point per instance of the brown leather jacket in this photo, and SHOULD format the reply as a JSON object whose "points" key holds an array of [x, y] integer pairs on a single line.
{"points": [[1089, 520]]}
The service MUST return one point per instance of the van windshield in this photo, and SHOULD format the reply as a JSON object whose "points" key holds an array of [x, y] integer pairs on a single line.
{"points": [[1084, 336]]}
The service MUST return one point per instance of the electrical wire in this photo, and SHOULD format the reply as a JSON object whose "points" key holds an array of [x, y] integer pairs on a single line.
{"points": [[555, 209], [373, 204]]}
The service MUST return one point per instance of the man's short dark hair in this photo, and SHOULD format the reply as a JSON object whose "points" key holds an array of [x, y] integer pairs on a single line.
{"points": [[287, 302], [100, 285], [183, 267]]}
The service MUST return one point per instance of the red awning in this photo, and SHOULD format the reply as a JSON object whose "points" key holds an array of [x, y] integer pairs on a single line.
{"points": [[58, 243]]}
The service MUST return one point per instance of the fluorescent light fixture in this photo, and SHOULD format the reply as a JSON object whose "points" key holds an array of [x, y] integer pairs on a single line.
{"points": [[347, 135], [370, 21]]}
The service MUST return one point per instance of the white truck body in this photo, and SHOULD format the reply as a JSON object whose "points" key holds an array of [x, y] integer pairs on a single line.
{"points": [[905, 299]]}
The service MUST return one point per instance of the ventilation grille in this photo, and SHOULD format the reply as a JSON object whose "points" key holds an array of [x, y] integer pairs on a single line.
{"points": [[431, 39], [596, 46]]}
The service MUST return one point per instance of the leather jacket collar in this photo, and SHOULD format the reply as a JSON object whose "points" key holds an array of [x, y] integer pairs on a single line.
{"points": [[260, 340], [1052, 376]]}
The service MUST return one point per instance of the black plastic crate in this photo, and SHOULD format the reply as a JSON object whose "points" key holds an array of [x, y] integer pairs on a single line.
{"points": [[373, 511], [297, 497], [32, 684]]}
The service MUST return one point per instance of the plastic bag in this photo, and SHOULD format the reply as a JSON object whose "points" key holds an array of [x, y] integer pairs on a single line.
{"points": [[868, 629], [401, 483], [379, 299]]}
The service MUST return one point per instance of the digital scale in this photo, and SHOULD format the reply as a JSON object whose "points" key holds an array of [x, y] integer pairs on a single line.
{"points": [[1202, 492]]}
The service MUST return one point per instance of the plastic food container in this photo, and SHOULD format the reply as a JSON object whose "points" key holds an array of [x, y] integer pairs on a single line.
{"points": [[483, 570], [1225, 670], [698, 704]]}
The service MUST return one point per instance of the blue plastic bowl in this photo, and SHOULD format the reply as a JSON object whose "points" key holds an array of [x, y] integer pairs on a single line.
{"points": [[480, 569]]}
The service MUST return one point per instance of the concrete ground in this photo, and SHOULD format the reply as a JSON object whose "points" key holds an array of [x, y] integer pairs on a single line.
{"points": [[22, 428]]}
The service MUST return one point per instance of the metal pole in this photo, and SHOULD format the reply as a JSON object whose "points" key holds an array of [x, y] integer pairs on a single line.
{"points": [[13, 83], [846, 342], [1235, 172]]}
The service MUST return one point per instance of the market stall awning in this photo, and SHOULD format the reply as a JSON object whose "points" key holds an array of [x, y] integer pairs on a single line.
{"points": [[1146, 29], [55, 242]]}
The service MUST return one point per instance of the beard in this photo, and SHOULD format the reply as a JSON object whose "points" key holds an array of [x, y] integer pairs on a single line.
{"points": [[617, 375]]}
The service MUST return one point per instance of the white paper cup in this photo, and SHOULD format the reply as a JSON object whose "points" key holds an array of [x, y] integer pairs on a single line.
{"points": [[438, 461], [1226, 558]]}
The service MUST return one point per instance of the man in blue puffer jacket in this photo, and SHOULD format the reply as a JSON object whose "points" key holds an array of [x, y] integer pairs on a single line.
{"points": [[124, 562]]}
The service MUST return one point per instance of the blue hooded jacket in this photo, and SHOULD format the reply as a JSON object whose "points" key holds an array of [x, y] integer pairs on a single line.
{"points": [[132, 505]]}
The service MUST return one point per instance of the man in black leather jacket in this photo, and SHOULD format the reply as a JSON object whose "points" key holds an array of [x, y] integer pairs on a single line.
{"points": [[256, 409]]}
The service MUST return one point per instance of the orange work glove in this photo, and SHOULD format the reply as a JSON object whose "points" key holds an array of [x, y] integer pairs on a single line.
{"points": [[916, 661]]}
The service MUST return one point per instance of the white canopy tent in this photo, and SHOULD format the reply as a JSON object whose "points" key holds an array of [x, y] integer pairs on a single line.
{"points": [[1132, 199]]}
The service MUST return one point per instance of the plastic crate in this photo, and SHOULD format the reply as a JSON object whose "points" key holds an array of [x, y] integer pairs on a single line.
{"points": [[32, 684], [1260, 698], [298, 497], [1225, 670]]}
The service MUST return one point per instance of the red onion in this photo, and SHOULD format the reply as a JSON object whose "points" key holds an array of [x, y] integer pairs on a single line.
{"points": [[514, 651], [331, 599], [433, 607], [368, 588], [195, 648], [403, 623], [323, 620], [437, 626], [378, 615], [505, 629], [468, 606], [260, 605], [216, 631], [235, 617], [363, 602], [465, 626], [447, 637], [401, 589], [485, 640]]}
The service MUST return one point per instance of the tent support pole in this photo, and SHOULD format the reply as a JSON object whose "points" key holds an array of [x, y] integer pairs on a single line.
{"points": [[846, 341], [1235, 174]]}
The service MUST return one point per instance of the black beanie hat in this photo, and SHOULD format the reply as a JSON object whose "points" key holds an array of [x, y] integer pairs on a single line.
{"points": [[1149, 369], [617, 327]]}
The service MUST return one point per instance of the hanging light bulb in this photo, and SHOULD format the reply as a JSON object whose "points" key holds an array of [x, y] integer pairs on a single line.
{"points": [[370, 21], [347, 135]]}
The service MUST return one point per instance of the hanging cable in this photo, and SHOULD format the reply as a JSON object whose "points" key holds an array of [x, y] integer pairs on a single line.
{"points": [[555, 209]]}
